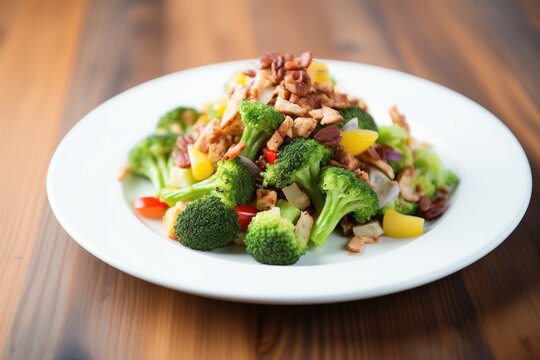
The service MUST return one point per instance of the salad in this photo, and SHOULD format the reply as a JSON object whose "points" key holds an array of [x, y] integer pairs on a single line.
{"points": [[283, 160]]}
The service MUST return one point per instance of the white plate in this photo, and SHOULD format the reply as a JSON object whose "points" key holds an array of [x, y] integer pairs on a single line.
{"points": [[94, 207]]}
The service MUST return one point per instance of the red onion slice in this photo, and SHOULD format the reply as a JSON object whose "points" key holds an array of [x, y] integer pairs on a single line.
{"points": [[252, 167], [392, 155]]}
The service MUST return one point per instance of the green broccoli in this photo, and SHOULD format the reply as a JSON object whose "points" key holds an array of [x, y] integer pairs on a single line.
{"points": [[396, 137], [177, 121], [424, 185], [365, 120], [401, 205], [271, 239], [232, 182], [428, 163], [260, 121], [206, 224], [150, 158], [345, 194], [300, 161]]}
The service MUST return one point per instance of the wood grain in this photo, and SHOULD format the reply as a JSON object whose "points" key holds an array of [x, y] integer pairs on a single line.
{"points": [[60, 59]]}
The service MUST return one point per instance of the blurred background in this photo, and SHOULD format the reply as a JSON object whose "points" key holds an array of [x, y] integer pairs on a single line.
{"points": [[59, 59]]}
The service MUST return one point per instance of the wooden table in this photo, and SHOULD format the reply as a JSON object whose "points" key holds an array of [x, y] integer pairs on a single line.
{"points": [[59, 59]]}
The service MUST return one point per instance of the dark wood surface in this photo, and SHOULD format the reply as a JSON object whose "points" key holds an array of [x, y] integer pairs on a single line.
{"points": [[59, 59]]}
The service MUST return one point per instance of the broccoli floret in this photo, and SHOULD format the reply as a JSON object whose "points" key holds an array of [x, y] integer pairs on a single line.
{"points": [[365, 120], [300, 161], [271, 239], [428, 163], [425, 185], [396, 137], [206, 224], [401, 205], [177, 120], [150, 158], [232, 182], [345, 194], [260, 121]]}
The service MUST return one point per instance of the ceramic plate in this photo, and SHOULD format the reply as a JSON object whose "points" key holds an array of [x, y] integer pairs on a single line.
{"points": [[94, 207]]}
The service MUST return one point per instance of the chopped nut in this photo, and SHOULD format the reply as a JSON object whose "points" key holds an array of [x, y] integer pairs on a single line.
{"points": [[424, 204], [301, 62], [180, 155], [287, 107], [232, 106], [329, 136], [407, 191], [303, 127], [234, 151], [123, 171], [266, 199]]}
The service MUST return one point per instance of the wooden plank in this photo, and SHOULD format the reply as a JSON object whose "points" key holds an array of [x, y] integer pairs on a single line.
{"points": [[83, 307], [34, 70]]}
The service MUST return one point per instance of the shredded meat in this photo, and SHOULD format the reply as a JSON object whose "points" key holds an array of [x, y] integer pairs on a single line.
{"points": [[341, 101], [209, 134], [407, 191], [279, 135], [303, 127], [232, 106], [266, 199], [123, 171], [356, 243], [217, 150], [234, 151], [287, 107], [326, 115], [371, 156], [398, 118]]}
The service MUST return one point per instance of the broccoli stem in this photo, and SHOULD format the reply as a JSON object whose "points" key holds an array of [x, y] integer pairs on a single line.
{"points": [[309, 179], [334, 209], [254, 140], [190, 193], [153, 171]]}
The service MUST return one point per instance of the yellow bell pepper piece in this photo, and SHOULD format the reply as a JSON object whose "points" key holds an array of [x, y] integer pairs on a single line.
{"points": [[201, 167], [239, 79], [358, 140], [402, 226], [318, 72]]}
